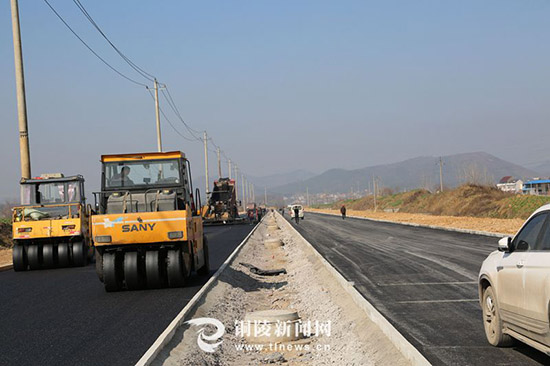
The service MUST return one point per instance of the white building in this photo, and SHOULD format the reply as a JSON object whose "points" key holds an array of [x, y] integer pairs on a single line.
{"points": [[510, 185]]}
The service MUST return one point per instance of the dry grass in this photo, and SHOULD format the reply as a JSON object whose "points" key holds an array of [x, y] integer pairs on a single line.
{"points": [[5, 257], [467, 200], [5, 235]]}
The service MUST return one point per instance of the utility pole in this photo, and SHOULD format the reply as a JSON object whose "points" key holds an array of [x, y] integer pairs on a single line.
{"points": [[236, 185], [374, 190], [157, 113], [253, 193], [229, 168], [440, 174], [265, 196], [307, 196], [243, 184], [219, 165], [24, 148], [205, 139]]}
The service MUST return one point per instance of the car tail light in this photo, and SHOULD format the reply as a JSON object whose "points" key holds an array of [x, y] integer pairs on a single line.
{"points": [[24, 230]]}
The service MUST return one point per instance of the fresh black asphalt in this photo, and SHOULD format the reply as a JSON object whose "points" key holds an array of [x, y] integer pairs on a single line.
{"points": [[422, 280], [65, 317]]}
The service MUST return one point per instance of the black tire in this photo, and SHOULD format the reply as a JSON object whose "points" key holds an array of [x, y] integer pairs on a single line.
{"points": [[111, 272], [63, 255], [133, 274], [99, 265], [19, 258], [205, 270], [492, 322], [80, 254], [154, 269], [48, 256], [175, 268], [34, 256]]}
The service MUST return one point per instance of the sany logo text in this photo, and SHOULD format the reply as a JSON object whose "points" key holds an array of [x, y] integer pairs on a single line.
{"points": [[138, 227]]}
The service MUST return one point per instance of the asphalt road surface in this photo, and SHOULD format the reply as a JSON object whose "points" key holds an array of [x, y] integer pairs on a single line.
{"points": [[65, 317], [422, 280]]}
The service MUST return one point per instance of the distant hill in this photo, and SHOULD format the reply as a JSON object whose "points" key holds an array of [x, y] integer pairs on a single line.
{"points": [[420, 172], [268, 181], [542, 168]]}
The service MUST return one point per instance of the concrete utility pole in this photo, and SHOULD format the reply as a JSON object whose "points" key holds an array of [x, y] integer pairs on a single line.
{"points": [[253, 193], [229, 167], [205, 139], [24, 148], [243, 184], [440, 175], [219, 165], [374, 190], [157, 113], [236, 185]]}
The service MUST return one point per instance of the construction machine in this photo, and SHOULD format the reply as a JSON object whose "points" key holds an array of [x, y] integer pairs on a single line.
{"points": [[222, 206], [51, 226], [148, 232]]}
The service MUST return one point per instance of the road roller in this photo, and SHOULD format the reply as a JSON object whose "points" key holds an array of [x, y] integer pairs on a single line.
{"points": [[51, 226], [148, 231]]}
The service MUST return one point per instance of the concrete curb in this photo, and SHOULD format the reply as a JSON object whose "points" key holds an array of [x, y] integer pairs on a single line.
{"points": [[166, 336], [454, 229], [400, 342], [6, 267]]}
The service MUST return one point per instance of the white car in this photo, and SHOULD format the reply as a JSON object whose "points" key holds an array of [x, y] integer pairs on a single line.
{"points": [[514, 286], [300, 212]]}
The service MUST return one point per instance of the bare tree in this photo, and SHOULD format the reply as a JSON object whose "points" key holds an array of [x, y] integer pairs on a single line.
{"points": [[5, 209], [474, 174]]}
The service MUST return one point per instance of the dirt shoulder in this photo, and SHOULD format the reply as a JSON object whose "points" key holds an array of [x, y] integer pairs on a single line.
{"points": [[308, 288], [5, 257], [505, 226]]}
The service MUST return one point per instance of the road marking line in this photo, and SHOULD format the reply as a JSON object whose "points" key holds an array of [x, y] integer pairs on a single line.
{"points": [[427, 283], [435, 301]]}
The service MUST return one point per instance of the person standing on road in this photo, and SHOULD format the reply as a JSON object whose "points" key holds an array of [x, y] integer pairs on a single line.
{"points": [[296, 214], [343, 212]]}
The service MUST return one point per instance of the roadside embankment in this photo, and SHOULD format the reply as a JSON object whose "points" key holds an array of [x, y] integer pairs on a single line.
{"points": [[334, 329], [468, 200], [5, 242], [493, 225]]}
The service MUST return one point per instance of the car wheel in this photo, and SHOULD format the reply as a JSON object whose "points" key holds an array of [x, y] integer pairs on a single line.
{"points": [[492, 321]]}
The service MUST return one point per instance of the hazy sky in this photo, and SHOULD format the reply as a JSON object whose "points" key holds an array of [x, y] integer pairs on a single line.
{"points": [[282, 85]]}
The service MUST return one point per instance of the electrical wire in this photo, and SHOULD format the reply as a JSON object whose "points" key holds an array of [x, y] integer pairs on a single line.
{"points": [[138, 69], [90, 48], [172, 104], [168, 120]]}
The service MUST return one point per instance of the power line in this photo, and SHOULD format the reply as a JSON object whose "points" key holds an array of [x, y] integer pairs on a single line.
{"points": [[89, 48], [138, 69], [168, 120], [172, 104]]}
